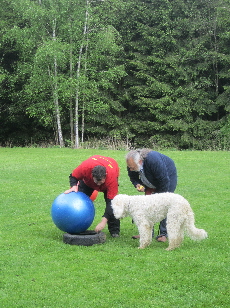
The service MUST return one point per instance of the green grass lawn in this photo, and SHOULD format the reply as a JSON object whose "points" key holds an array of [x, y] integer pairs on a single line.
{"points": [[39, 270]]}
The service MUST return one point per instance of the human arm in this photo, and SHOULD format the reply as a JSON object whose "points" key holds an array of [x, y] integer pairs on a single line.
{"points": [[73, 184], [101, 225], [135, 180], [73, 188], [110, 191], [107, 214]]}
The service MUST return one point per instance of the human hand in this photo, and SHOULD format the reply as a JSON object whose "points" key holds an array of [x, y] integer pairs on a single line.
{"points": [[74, 188], [140, 188], [101, 225]]}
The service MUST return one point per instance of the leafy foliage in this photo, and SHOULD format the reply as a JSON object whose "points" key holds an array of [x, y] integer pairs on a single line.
{"points": [[155, 72]]}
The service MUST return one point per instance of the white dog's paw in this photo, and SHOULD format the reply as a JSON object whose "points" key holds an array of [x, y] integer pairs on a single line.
{"points": [[171, 248]]}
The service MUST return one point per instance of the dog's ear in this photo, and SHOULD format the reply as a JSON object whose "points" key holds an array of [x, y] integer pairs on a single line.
{"points": [[118, 206]]}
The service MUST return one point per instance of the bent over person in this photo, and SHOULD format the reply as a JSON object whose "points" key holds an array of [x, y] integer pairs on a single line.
{"points": [[152, 172], [98, 173]]}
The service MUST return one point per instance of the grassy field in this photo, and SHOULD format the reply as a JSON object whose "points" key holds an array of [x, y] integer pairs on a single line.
{"points": [[39, 270]]}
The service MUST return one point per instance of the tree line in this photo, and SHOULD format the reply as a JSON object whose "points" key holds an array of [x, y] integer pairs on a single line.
{"points": [[137, 73]]}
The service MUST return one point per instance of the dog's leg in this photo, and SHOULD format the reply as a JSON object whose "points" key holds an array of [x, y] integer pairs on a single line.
{"points": [[145, 231], [175, 231], [174, 243]]}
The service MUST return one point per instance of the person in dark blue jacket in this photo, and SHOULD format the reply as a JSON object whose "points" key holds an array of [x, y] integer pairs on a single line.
{"points": [[152, 172]]}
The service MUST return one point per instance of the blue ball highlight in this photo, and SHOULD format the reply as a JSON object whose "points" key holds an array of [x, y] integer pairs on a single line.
{"points": [[73, 213]]}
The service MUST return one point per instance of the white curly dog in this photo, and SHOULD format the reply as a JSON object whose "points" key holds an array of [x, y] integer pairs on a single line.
{"points": [[147, 210]]}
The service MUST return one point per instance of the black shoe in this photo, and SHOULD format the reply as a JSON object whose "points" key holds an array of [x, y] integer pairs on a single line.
{"points": [[136, 237], [115, 235]]}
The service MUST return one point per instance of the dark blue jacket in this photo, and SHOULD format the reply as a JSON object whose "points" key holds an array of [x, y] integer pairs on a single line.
{"points": [[160, 171]]}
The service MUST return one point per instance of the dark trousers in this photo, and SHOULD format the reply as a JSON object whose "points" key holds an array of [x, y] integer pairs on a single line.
{"points": [[113, 223], [148, 191]]}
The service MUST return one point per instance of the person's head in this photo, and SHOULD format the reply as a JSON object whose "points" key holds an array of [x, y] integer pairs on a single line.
{"points": [[99, 174], [135, 158]]}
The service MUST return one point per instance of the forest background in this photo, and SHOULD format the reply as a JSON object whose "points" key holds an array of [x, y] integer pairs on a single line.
{"points": [[115, 73]]}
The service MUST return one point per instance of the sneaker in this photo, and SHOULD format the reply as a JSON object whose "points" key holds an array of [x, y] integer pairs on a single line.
{"points": [[115, 235]]}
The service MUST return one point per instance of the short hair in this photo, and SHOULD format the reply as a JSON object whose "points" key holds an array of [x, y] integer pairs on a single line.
{"points": [[137, 155], [99, 172]]}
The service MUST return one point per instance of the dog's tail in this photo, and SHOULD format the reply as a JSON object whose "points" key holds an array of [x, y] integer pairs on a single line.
{"points": [[193, 232]]}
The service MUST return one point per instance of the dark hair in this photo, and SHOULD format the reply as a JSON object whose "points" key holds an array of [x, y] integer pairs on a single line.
{"points": [[99, 173]]}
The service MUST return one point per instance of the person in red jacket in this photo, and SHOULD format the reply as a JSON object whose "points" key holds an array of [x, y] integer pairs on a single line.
{"points": [[98, 173]]}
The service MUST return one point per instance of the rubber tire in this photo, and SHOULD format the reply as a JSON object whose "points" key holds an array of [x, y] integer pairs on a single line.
{"points": [[87, 238]]}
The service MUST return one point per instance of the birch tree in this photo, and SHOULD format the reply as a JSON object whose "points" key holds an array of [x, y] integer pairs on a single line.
{"points": [[78, 73], [55, 91], [57, 38]]}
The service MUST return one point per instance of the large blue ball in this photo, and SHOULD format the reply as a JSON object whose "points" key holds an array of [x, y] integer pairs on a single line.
{"points": [[73, 213]]}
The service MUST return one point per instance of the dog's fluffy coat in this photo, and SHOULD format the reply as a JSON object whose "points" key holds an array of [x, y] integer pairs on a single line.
{"points": [[147, 210]]}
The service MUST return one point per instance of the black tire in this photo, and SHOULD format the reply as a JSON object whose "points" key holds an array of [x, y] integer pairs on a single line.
{"points": [[87, 238]]}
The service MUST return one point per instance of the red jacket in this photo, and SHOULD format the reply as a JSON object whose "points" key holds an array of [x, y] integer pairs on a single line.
{"points": [[84, 172]]}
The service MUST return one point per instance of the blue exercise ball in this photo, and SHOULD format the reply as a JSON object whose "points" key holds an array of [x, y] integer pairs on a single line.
{"points": [[73, 213]]}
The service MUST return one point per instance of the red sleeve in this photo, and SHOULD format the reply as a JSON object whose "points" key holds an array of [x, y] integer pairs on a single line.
{"points": [[112, 170], [112, 188]]}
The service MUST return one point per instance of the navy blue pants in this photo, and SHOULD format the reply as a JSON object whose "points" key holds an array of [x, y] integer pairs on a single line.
{"points": [[162, 227]]}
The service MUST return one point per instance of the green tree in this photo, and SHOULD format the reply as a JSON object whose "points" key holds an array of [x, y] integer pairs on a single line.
{"points": [[54, 56], [154, 71]]}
